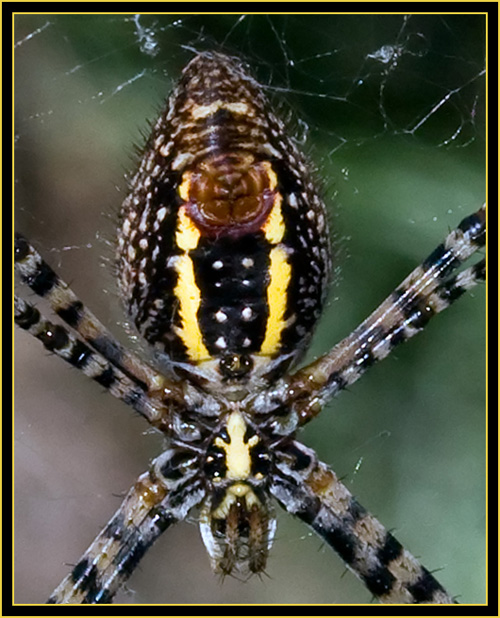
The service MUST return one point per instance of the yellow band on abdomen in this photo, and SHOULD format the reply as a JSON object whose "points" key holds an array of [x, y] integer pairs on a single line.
{"points": [[189, 297], [280, 272], [186, 290]]}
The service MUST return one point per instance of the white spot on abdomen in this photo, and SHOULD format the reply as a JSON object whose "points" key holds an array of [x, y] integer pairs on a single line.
{"points": [[221, 343], [220, 316]]}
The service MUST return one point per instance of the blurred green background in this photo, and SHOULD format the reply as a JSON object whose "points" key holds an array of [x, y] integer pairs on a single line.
{"points": [[391, 110]]}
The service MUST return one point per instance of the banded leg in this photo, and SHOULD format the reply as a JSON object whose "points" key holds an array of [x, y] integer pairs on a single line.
{"points": [[44, 282], [427, 291], [61, 342], [308, 489], [151, 506]]}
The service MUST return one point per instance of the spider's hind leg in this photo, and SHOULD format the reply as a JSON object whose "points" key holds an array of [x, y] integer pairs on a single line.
{"points": [[158, 499], [311, 491]]}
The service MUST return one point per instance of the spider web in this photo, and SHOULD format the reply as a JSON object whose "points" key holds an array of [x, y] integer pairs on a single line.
{"points": [[391, 109]]}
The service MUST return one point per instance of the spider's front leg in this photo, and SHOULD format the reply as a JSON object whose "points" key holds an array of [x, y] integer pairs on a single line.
{"points": [[160, 497], [156, 406], [427, 291], [35, 272], [310, 490]]}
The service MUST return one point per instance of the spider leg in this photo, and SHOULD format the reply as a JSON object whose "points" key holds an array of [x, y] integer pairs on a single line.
{"points": [[157, 500], [310, 490], [58, 339], [40, 277], [427, 291]]}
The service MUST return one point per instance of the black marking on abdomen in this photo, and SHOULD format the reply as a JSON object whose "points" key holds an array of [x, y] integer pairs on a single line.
{"points": [[228, 288]]}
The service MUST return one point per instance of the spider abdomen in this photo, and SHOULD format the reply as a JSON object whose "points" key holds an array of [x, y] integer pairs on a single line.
{"points": [[223, 247]]}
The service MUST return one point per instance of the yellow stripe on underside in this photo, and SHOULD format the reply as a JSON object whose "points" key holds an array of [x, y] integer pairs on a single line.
{"points": [[274, 227], [188, 294], [186, 290], [187, 234], [280, 273], [183, 189]]}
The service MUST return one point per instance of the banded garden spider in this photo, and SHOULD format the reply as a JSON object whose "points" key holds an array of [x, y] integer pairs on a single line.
{"points": [[237, 446]]}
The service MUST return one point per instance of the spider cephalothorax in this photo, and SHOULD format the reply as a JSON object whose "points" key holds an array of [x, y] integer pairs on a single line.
{"points": [[223, 262]]}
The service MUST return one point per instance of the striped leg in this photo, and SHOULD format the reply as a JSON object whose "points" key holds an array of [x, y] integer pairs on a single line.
{"points": [[59, 340], [427, 291], [152, 505], [40, 277], [308, 489]]}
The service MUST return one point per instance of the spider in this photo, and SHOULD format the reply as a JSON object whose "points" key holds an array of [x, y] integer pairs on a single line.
{"points": [[223, 263]]}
